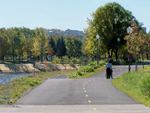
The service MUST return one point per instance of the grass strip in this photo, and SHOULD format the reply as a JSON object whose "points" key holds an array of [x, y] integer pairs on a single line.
{"points": [[21, 86], [136, 85], [88, 74]]}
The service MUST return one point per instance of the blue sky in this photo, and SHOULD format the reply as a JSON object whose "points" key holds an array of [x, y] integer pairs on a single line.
{"points": [[63, 14]]}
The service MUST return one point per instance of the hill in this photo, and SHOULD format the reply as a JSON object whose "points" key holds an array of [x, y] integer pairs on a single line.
{"points": [[78, 34]]}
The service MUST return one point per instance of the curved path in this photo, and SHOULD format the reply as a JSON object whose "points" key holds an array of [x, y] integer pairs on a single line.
{"points": [[94, 94]]}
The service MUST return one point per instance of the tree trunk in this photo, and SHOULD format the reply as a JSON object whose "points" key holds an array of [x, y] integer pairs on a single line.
{"points": [[41, 59], [116, 55], [13, 56], [30, 57], [19, 58], [108, 54], [111, 53], [147, 55], [38, 58], [3, 58]]}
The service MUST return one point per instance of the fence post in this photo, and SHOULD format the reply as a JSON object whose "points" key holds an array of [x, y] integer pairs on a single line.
{"points": [[9, 90]]}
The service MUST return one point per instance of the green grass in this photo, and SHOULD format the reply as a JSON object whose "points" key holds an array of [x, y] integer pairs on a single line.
{"points": [[146, 69], [21, 86], [87, 74], [87, 71], [136, 85]]}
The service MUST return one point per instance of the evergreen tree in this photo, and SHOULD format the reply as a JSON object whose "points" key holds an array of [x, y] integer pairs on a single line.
{"points": [[52, 44], [63, 47], [58, 53]]}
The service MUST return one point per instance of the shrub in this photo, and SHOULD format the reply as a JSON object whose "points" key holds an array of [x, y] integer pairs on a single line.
{"points": [[30, 76], [88, 69], [92, 64], [146, 86], [83, 70], [48, 69], [95, 67], [79, 73]]}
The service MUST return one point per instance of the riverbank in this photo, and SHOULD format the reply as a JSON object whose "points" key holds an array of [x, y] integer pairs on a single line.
{"points": [[21, 86], [39, 67]]}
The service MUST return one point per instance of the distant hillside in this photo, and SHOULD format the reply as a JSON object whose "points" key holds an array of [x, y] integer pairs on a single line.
{"points": [[79, 34]]}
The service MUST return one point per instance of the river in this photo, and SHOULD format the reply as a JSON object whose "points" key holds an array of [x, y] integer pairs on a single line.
{"points": [[4, 78]]}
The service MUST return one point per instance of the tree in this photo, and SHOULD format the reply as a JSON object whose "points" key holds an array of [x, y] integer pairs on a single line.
{"points": [[147, 46], [43, 42], [65, 60], [29, 48], [19, 43], [58, 47], [61, 47], [109, 22], [49, 52], [4, 43], [52, 44], [73, 46], [135, 40], [11, 33]]}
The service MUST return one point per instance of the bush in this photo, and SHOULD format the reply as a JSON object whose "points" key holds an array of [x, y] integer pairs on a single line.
{"points": [[79, 73], [92, 64], [48, 69], [83, 70], [88, 69], [95, 67]]}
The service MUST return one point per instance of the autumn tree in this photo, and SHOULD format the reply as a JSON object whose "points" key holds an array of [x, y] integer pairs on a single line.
{"points": [[135, 40], [43, 41], [147, 46]]}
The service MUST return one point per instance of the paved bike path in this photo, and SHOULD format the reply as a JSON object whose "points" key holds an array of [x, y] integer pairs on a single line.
{"points": [[95, 93]]}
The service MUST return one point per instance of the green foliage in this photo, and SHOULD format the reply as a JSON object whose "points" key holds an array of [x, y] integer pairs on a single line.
{"points": [[136, 85], [56, 60], [43, 41], [52, 44], [73, 46], [48, 69], [146, 87], [65, 59], [74, 60], [20, 86], [23, 42], [109, 22], [88, 69], [84, 70]]}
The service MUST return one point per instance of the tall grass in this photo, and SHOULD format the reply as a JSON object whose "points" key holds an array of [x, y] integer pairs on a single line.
{"points": [[136, 85]]}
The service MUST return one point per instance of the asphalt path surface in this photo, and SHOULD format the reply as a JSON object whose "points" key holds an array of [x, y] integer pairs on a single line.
{"points": [[94, 94]]}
